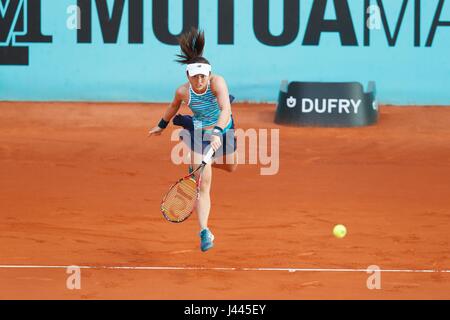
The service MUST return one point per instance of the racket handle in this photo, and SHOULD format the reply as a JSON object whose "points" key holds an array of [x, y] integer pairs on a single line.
{"points": [[208, 156]]}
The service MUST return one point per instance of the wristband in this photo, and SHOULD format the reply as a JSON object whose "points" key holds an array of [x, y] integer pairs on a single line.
{"points": [[163, 123], [218, 128], [217, 131]]}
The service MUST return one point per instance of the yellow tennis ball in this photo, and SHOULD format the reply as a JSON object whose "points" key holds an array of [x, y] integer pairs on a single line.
{"points": [[339, 231]]}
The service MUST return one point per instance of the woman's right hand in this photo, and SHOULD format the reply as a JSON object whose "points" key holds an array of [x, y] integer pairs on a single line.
{"points": [[156, 131]]}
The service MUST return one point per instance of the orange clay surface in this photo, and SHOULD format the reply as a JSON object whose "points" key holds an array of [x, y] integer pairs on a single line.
{"points": [[81, 184]]}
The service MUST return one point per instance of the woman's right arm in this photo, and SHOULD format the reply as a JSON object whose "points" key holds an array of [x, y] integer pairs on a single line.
{"points": [[171, 111]]}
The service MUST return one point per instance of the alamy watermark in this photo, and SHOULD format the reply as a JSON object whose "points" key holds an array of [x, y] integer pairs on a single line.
{"points": [[74, 280], [374, 20], [253, 146], [73, 21], [374, 280]]}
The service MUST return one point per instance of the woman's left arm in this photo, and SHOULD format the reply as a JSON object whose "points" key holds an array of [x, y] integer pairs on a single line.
{"points": [[220, 89]]}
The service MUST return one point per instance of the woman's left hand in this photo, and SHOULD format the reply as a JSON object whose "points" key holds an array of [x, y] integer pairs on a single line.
{"points": [[215, 142]]}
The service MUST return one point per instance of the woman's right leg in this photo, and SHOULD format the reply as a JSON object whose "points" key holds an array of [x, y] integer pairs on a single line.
{"points": [[204, 200], [203, 206]]}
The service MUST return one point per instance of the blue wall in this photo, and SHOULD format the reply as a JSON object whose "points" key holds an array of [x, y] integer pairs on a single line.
{"points": [[71, 71]]}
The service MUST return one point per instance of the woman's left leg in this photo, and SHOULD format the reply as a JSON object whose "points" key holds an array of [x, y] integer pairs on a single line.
{"points": [[229, 159], [229, 162]]}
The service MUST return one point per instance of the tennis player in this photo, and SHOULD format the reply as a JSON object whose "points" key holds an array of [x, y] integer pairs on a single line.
{"points": [[211, 124]]}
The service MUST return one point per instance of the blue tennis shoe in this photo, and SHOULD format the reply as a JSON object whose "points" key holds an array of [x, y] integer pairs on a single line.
{"points": [[206, 240]]}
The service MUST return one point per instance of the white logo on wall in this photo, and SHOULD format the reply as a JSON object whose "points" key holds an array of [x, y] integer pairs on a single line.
{"points": [[375, 105], [291, 102], [326, 105]]}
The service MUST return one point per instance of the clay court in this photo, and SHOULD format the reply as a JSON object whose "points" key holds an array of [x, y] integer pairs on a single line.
{"points": [[81, 185]]}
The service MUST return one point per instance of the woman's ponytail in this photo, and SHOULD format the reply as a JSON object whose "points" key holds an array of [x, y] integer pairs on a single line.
{"points": [[192, 44]]}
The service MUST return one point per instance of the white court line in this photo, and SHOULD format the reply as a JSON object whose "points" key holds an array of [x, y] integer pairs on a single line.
{"points": [[220, 269]]}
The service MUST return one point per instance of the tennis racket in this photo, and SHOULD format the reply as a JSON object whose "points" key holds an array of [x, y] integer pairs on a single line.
{"points": [[179, 202]]}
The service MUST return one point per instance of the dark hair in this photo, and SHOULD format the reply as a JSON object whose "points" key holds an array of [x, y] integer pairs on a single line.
{"points": [[192, 43]]}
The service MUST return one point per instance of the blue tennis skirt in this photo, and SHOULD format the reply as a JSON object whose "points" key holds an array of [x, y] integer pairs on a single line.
{"points": [[198, 140]]}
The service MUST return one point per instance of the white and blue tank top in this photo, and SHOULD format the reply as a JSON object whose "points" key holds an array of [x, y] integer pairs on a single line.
{"points": [[205, 108]]}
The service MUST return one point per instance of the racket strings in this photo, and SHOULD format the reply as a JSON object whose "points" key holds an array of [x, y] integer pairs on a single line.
{"points": [[180, 200]]}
